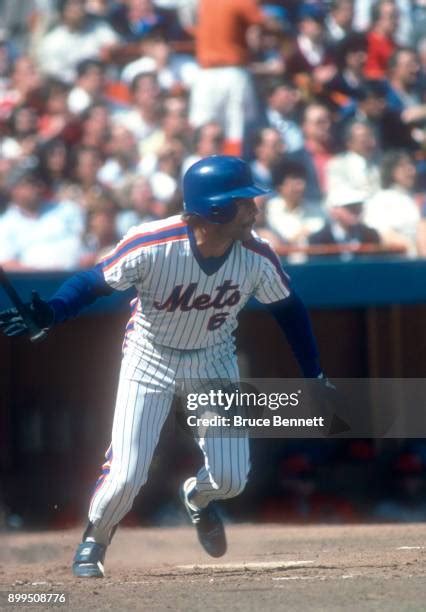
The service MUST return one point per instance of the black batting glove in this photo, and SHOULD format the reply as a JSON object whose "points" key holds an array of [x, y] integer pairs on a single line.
{"points": [[12, 324], [328, 402]]}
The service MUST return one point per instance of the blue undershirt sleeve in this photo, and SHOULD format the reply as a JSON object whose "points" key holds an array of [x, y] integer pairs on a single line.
{"points": [[292, 317], [79, 291]]}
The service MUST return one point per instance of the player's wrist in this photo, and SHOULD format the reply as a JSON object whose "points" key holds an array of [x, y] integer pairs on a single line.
{"points": [[42, 312], [58, 309], [311, 367]]}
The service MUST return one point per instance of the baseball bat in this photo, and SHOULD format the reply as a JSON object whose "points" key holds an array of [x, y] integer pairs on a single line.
{"points": [[36, 334]]}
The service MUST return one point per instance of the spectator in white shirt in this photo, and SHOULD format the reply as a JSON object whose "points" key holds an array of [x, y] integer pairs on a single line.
{"points": [[176, 71], [36, 234], [393, 211], [76, 37], [357, 167], [345, 225], [143, 116], [122, 162], [288, 215]]}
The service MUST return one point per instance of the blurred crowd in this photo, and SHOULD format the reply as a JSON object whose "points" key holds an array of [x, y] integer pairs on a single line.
{"points": [[104, 104], [299, 482], [351, 481]]}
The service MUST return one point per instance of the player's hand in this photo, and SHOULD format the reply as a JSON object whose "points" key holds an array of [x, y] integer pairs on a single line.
{"points": [[12, 324], [327, 402]]}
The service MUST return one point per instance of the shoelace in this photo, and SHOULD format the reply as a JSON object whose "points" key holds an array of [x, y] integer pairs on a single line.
{"points": [[196, 516], [206, 516]]}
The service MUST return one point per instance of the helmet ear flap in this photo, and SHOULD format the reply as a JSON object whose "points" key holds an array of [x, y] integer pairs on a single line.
{"points": [[221, 214]]}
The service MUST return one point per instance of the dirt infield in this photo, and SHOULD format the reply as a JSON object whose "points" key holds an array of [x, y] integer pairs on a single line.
{"points": [[267, 568]]}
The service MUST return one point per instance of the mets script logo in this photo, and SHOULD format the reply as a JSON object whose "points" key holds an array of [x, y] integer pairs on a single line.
{"points": [[183, 299]]}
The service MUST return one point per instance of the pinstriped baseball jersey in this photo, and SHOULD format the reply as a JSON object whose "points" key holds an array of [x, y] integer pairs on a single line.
{"points": [[185, 301]]}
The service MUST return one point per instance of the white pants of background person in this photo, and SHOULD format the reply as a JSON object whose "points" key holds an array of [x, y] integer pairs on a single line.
{"points": [[225, 95]]}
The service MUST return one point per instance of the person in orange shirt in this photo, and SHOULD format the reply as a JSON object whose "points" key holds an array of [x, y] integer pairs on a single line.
{"points": [[380, 39], [223, 90]]}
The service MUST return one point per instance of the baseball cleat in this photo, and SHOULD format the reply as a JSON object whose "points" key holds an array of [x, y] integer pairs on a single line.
{"points": [[209, 525], [89, 560]]}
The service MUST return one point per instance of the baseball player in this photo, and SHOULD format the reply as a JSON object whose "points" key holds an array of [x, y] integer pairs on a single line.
{"points": [[193, 273]]}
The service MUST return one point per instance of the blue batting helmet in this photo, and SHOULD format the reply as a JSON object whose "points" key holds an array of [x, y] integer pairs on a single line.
{"points": [[212, 186]]}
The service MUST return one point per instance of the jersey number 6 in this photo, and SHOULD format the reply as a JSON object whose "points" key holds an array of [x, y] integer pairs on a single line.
{"points": [[217, 320]]}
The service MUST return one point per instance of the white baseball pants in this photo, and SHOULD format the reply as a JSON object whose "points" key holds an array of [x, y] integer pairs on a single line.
{"points": [[145, 394]]}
